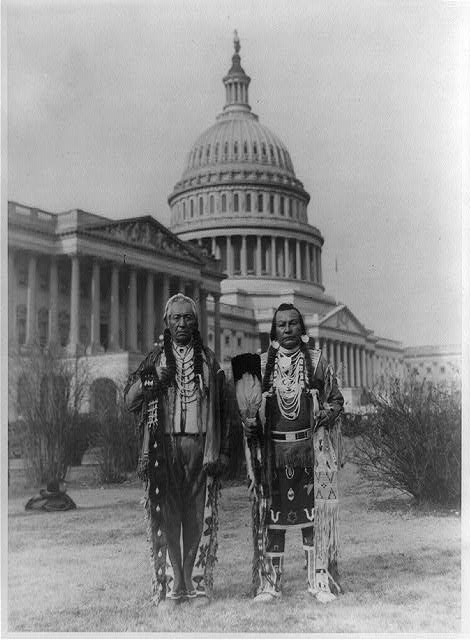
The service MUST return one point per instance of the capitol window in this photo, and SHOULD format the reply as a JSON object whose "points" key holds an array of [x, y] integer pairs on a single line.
{"points": [[260, 202], [272, 204], [236, 202], [248, 202], [226, 150], [290, 208], [184, 210], [264, 151], [211, 204], [246, 150], [201, 206], [224, 203], [255, 149], [282, 205], [236, 149], [216, 151], [192, 208]]}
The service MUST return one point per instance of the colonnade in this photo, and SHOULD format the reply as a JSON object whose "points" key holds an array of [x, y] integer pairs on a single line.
{"points": [[270, 256], [354, 364], [131, 308]]}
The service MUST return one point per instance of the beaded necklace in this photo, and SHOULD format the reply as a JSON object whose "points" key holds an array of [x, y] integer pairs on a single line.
{"points": [[185, 373], [288, 381]]}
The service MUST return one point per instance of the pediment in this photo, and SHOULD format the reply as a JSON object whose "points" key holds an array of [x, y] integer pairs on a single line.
{"points": [[342, 319], [146, 233]]}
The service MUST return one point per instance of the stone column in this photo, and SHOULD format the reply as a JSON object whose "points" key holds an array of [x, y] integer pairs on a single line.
{"points": [[307, 261], [351, 368], [346, 377], [114, 309], [286, 258], [95, 308], [319, 255], [53, 325], [258, 257], [131, 334], [31, 319], [363, 367], [229, 256], [243, 256], [203, 320], [338, 359], [357, 366], [217, 326], [74, 305], [273, 257], [298, 260], [331, 353], [12, 296], [149, 328]]}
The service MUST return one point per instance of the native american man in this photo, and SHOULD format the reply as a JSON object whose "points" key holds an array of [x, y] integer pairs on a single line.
{"points": [[178, 391], [298, 436]]}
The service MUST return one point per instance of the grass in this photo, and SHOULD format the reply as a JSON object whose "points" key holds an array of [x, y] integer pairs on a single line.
{"points": [[88, 570]]}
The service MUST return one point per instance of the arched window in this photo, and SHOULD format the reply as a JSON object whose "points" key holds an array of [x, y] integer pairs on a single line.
{"points": [[264, 151], [236, 149], [272, 203], [272, 153], [103, 397], [255, 149], [64, 327], [184, 210], [201, 206], [282, 205], [216, 151], [21, 323], [260, 202], [192, 208], [224, 203], [248, 202], [43, 326], [246, 150], [236, 202], [226, 150], [208, 152], [211, 204]]}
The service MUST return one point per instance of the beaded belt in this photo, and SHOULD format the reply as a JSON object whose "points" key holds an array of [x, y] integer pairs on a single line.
{"points": [[184, 433], [291, 436]]}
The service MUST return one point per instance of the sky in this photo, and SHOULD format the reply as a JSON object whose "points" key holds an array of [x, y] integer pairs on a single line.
{"points": [[105, 99]]}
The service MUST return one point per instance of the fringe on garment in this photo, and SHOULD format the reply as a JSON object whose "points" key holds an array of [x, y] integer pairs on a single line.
{"points": [[326, 529], [214, 490], [158, 554]]}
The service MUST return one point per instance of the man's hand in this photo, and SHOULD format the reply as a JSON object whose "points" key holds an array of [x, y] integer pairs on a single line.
{"points": [[325, 417], [250, 427]]}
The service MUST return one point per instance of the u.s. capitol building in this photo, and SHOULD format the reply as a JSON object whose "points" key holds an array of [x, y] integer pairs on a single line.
{"points": [[239, 242]]}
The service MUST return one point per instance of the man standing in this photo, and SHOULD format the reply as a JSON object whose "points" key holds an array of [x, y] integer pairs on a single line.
{"points": [[294, 465], [178, 391]]}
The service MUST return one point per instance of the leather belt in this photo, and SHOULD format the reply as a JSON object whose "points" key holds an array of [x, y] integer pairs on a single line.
{"points": [[185, 433], [291, 436]]}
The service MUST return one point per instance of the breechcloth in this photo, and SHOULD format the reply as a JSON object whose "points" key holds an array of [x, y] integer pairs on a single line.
{"points": [[182, 508]]}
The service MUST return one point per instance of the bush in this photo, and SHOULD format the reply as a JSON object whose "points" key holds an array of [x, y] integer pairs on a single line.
{"points": [[413, 443], [81, 438], [50, 393], [117, 442]]}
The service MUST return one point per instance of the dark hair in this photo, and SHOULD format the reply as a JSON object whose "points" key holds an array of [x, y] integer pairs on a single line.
{"points": [[271, 354]]}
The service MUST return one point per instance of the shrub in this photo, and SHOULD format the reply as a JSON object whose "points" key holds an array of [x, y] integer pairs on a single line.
{"points": [[50, 393], [115, 437], [413, 443]]}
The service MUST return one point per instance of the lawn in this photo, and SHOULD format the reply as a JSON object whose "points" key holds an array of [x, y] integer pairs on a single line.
{"points": [[88, 570]]}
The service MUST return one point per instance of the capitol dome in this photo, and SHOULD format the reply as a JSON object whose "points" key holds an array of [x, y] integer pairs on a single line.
{"points": [[240, 200]]}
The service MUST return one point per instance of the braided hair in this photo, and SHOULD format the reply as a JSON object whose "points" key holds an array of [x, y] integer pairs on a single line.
{"points": [[273, 350]]}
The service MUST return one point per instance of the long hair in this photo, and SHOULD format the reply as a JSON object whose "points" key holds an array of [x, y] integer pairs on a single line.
{"points": [[273, 350]]}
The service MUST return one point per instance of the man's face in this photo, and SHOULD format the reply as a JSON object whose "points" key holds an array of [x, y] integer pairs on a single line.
{"points": [[288, 328], [181, 322]]}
